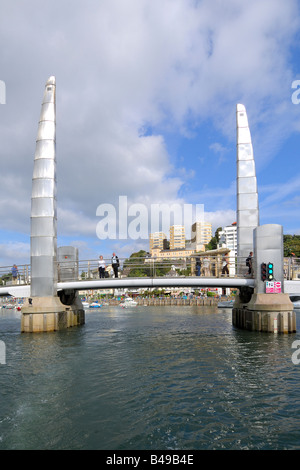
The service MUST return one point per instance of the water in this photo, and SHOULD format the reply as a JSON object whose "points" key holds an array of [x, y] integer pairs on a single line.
{"points": [[149, 378]]}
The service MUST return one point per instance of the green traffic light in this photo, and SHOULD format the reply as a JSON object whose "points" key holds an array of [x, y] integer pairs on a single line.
{"points": [[270, 271]]}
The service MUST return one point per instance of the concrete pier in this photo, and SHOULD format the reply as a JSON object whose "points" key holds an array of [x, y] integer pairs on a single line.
{"points": [[258, 309], [46, 314], [270, 313]]}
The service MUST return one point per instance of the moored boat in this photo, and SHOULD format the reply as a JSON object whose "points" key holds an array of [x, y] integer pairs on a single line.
{"points": [[295, 298], [128, 302], [95, 305], [226, 304]]}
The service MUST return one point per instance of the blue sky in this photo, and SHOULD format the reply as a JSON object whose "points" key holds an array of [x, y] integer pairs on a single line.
{"points": [[146, 101]]}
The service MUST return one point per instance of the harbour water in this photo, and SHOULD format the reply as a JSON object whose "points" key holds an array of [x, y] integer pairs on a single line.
{"points": [[148, 378]]}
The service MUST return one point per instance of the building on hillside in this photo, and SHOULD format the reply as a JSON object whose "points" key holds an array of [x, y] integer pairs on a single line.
{"points": [[228, 238], [169, 254], [158, 240], [177, 237], [201, 235]]}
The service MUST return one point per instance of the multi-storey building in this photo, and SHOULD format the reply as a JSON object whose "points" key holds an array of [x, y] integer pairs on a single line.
{"points": [[201, 234], [169, 254], [228, 238], [157, 240], [177, 237]]}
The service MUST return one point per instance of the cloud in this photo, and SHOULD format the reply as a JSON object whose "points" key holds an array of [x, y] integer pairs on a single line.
{"points": [[132, 76], [13, 252]]}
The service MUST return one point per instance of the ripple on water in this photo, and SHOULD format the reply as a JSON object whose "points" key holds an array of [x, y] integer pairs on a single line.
{"points": [[155, 378]]}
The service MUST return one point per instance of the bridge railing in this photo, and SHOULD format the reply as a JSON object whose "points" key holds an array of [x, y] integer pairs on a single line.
{"points": [[8, 275], [211, 266], [207, 266]]}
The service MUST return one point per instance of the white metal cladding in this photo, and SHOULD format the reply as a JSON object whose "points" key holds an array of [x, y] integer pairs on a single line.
{"points": [[42, 187], [247, 202], [246, 168], [47, 112], [46, 130], [244, 135], [42, 246], [43, 201], [247, 218], [247, 196], [246, 185], [41, 269], [43, 207], [245, 151], [44, 168], [45, 149], [42, 225]]}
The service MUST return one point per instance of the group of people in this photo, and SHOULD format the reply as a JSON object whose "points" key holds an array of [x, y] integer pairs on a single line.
{"points": [[204, 269], [225, 265], [115, 263]]}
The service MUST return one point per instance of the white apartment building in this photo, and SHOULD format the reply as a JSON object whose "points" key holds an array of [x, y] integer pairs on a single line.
{"points": [[201, 235], [228, 238], [177, 237]]}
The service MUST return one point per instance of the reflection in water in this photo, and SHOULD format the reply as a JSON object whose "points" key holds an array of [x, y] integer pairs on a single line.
{"points": [[149, 378]]}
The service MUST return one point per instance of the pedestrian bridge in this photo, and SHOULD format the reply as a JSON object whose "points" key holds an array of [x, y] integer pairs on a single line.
{"points": [[147, 273]]}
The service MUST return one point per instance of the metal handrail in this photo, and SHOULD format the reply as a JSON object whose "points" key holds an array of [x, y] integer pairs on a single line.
{"points": [[147, 267], [23, 275]]}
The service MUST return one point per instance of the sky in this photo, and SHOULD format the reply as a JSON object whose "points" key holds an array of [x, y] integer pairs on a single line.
{"points": [[146, 114]]}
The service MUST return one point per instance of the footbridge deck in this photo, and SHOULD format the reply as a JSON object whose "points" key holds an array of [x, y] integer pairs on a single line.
{"points": [[83, 275]]}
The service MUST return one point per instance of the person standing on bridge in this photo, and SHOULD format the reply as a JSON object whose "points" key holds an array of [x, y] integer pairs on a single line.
{"points": [[101, 267], [249, 262], [198, 266], [225, 263], [14, 272], [206, 266], [115, 264]]}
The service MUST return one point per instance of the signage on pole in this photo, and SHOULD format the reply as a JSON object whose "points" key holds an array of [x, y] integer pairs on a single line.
{"points": [[273, 287]]}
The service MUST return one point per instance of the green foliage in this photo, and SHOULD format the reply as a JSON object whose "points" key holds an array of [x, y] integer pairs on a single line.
{"points": [[291, 244], [134, 265], [213, 244]]}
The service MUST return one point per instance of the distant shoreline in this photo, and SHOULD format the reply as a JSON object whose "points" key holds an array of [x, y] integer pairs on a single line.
{"points": [[170, 301]]}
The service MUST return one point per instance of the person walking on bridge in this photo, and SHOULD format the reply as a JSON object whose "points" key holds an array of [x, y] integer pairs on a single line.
{"points": [[225, 263], [249, 262], [115, 264], [101, 267], [14, 272]]}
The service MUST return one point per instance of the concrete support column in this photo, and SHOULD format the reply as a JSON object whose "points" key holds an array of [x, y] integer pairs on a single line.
{"points": [[266, 312], [44, 311]]}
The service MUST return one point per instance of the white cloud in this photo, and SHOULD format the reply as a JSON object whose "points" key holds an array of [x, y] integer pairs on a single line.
{"points": [[127, 73], [14, 252]]}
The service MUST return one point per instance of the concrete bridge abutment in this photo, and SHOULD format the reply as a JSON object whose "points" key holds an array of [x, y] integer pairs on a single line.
{"points": [[266, 313], [46, 314], [263, 310]]}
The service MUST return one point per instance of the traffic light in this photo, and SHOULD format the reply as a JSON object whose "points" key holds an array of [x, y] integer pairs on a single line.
{"points": [[270, 273], [263, 271]]}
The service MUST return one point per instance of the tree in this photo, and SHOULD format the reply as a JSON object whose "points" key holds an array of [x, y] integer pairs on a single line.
{"points": [[291, 245], [213, 244], [135, 266]]}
